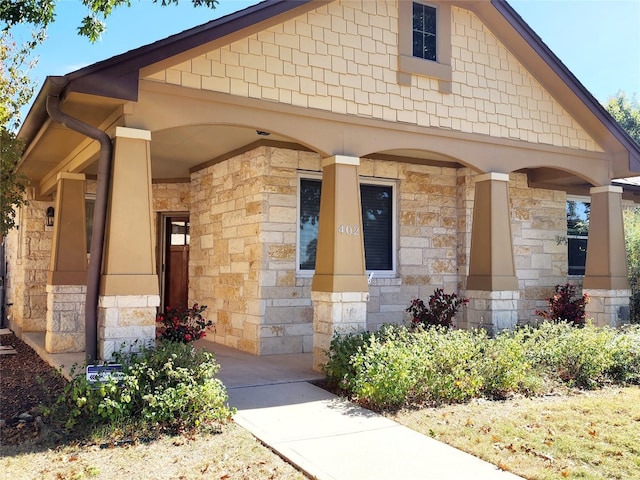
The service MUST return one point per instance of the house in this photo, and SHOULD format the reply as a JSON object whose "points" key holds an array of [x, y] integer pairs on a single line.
{"points": [[309, 167]]}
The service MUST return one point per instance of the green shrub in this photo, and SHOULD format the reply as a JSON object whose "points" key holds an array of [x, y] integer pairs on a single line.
{"points": [[451, 365], [506, 369], [339, 369], [578, 357], [170, 388], [397, 367], [625, 356], [385, 372]]}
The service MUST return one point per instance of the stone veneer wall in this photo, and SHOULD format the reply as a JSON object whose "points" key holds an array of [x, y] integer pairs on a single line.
{"points": [[28, 253], [171, 197], [539, 226], [539, 230], [242, 254], [426, 200], [65, 318], [244, 233], [343, 57]]}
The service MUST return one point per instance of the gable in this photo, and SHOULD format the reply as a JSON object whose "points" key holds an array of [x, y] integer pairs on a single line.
{"points": [[342, 58]]}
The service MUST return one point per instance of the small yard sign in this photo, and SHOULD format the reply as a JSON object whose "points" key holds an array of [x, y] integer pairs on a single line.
{"points": [[103, 373]]}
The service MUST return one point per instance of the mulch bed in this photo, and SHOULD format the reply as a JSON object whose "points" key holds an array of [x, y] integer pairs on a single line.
{"points": [[26, 383]]}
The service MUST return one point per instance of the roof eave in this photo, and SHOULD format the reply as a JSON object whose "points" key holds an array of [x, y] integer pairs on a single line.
{"points": [[118, 76]]}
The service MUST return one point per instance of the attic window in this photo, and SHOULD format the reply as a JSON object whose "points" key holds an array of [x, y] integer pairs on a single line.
{"points": [[425, 42], [424, 32]]}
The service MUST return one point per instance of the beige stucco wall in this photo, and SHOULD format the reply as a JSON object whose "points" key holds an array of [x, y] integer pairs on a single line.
{"points": [[343, 57]]}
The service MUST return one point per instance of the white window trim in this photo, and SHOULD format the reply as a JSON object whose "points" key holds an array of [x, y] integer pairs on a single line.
{"points": [[410, 65], [394, 224]]}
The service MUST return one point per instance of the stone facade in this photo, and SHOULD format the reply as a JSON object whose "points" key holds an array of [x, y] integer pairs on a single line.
{"points": [[125, 317], [65, 318], [343, 57], [492, 311], [243, 224], [28, 250], [539, 223], [340, 313], [244, 234], [604, 307]]}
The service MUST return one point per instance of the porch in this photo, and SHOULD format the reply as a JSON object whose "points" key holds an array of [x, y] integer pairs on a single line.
{"points": [[237, 368]]}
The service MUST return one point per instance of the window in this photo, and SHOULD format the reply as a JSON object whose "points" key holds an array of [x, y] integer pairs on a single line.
{"points": [[89, 205], [180, 232], [378, 226], [578, 212], [425, 41], [424, 32]]}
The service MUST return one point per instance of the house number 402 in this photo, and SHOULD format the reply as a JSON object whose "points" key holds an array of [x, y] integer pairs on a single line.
{"points": [[349, 230]]}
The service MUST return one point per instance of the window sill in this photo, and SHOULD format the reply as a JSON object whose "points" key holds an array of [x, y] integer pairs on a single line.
{"points": [[425, 68]]}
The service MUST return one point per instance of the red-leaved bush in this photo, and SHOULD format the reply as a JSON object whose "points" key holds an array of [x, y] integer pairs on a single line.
{"points": [[565, 306], [179, 324], [439, 311]]}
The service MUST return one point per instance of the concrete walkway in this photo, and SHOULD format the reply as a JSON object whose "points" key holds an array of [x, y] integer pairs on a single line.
{"points": [[328, 437], [323, 435]]}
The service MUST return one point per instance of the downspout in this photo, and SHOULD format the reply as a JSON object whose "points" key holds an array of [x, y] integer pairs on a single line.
{"points": [[100, 211]]}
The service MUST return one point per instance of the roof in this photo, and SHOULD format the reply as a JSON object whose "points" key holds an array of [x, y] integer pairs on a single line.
{"points": [[118, 77]]}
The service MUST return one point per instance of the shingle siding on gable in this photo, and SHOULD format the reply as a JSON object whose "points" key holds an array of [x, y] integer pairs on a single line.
{"points": [[342, 58]]}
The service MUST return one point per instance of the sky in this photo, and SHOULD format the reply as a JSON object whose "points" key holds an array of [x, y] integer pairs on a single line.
{"points": [[598, 40]]}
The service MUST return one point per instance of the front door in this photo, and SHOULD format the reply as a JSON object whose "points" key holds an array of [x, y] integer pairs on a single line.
{"points": [[176, 267]]}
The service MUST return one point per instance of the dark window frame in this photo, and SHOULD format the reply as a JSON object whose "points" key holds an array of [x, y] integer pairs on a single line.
{"points": [[311, 214], [577, 238]]}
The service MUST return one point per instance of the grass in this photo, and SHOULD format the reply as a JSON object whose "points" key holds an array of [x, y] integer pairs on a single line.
{"points": [[232, 454], [587, 435]]}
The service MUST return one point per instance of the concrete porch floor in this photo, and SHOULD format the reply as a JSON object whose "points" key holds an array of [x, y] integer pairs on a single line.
{"points": [[237, 369]]}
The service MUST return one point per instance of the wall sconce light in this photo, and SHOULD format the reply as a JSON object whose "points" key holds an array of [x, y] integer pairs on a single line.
{"points": [[50, 214]]}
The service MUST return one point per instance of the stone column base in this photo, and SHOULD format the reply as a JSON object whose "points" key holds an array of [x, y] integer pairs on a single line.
{"points": [[126, 321], [65, 318], [604, 306], [493, 311], [335, 312]]}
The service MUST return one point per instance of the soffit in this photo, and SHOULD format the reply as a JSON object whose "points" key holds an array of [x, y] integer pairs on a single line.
{"points": [[55, 142]]}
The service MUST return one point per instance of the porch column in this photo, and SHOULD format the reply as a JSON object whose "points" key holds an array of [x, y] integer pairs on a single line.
{"points": [[492, 285], [606, 278], [67, 276], [340, 290], [129, 292]]}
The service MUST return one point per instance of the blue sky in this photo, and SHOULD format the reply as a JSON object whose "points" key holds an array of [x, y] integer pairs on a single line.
{"points": [[598, 40]]}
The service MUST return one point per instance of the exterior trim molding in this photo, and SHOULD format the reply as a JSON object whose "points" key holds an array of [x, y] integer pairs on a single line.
{"points": [[341, 160], [136, 133], [499, 177], [606, 189]]}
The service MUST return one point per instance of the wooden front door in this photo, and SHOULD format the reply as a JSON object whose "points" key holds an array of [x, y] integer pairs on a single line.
{"points": [[176, 268]]}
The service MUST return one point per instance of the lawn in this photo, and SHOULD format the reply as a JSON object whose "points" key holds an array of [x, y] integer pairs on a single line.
{"points": [[587, 435], [232, 454]]}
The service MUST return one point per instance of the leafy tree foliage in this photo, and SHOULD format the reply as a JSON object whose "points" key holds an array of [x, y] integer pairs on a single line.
{"points": [[626, 112], [41, 13], [15, 91]]}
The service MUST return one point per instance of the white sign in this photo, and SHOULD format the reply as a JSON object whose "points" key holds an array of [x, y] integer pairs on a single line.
{"points": [[104, 373]]}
